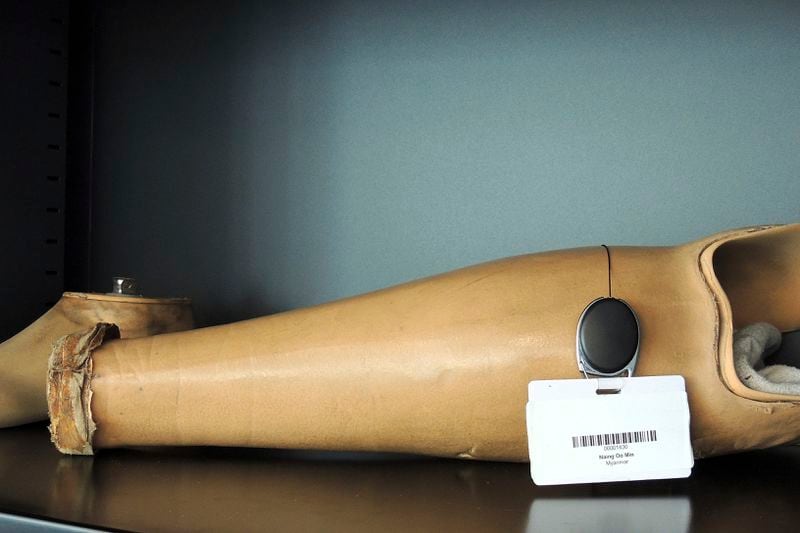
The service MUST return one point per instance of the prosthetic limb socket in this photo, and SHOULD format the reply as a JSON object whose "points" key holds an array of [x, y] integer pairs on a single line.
{"points": [[440, 366]]}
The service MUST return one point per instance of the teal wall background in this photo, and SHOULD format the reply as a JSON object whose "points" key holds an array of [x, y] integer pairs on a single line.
{"points": [[261, 156]]}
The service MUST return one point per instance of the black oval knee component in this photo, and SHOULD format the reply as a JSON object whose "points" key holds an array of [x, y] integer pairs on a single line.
{"points": [[608, 337]]}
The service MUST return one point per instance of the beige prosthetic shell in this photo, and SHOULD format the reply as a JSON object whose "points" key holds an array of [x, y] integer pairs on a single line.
{"points": [[438, 366], [23, 357]]}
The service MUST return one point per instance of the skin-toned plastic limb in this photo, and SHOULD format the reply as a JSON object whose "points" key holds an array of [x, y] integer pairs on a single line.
{"points": [[440, 366], [23, 358]]}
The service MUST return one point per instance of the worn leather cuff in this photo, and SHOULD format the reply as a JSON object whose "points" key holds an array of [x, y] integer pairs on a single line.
{"points": [[69, 390]]}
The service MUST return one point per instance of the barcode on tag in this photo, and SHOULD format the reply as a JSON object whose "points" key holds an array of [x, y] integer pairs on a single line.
{"points": [[606, 439]]}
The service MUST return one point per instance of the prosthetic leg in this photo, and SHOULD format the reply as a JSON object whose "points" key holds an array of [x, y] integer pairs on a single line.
{"points": [[23, 357], [440, 366]]}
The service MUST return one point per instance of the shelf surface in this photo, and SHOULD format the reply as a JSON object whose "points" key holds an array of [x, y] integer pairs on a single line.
{"points": [[213, 489]]}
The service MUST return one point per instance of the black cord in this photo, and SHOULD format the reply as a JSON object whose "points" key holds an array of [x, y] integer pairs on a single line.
{"points": [[608, 256]]}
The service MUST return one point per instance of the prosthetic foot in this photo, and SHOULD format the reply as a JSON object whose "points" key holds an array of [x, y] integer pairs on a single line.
{"points": [[23, 358], [440, 366]]}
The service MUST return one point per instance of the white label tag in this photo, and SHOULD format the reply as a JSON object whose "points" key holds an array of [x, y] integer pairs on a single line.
{"points": [[576, 435]]}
